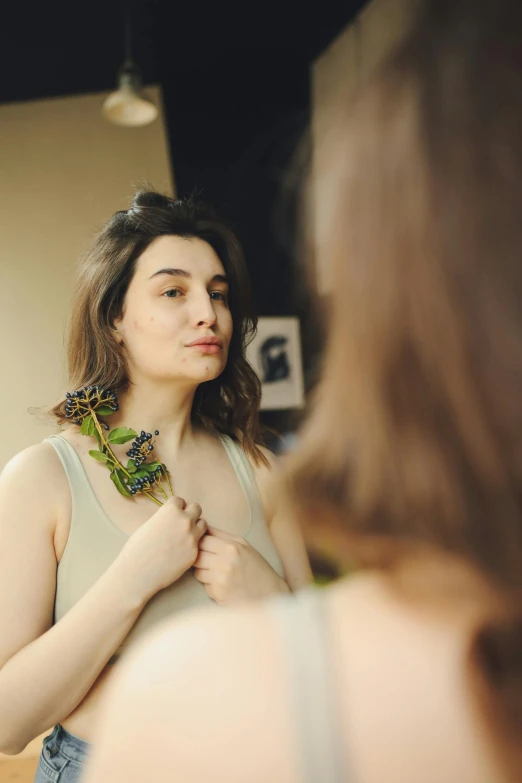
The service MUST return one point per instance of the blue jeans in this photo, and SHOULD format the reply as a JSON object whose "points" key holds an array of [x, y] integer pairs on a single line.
{"points": [[63, 757]]}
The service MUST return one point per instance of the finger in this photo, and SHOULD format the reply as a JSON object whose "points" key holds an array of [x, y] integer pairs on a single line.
{"points": [[212, 544], [204, 560], [210, 592], [193, 510], [213, 531], [201, 528], [203, 576], [177, 501]]}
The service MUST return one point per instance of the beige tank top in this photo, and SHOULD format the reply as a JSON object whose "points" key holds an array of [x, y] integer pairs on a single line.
{"points": [[94, 542]]}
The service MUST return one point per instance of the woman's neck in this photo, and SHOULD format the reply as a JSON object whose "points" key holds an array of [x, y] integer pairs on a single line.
{"points": [[152, 407]]}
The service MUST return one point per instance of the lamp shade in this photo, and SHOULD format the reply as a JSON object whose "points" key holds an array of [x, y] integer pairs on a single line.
{"points": [[126, 106]]}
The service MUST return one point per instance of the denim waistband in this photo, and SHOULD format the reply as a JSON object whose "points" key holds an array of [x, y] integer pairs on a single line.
{"points": [[69, 745]]}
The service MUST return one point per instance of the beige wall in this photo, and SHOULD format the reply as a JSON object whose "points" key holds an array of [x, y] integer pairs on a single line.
{"points": [[63, 171], [339, 71]]}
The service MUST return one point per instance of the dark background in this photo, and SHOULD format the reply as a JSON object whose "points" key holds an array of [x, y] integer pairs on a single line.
{"points": [[236, 86]]}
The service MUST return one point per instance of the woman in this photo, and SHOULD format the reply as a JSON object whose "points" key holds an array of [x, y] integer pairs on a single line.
{"points": [[410, 670], [161, 317]]}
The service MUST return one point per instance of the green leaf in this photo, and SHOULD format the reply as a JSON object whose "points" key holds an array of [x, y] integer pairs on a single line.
{"points": [[151, 467], [88, 427], [122, 475], [117, 476], [104, 410], [121, 435], [98, 437], [100, 456], [131, 467], [141, 473]]}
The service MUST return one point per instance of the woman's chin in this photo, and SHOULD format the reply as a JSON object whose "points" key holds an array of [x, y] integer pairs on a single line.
{"points": [[208, 369], [196, 371]]}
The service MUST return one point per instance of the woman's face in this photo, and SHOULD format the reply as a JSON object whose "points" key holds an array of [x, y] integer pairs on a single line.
{"points": [[176, 324]]}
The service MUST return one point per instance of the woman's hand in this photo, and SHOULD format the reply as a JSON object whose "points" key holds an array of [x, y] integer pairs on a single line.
{"points": [[164, 547], [233, 571]]}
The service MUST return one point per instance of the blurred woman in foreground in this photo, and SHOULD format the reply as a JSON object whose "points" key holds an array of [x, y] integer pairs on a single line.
{"points": [[411, 670]]}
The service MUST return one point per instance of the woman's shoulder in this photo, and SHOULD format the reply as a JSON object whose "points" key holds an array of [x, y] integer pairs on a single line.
{"points": [[228, 676], [398, 669], [215, 680], [34, 486], [39, 468], [203, 634], [404, 683], [398, 675], [38, 461]]}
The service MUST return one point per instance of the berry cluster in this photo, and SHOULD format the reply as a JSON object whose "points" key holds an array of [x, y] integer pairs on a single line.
{"points": [[80, 404], [84, 407], [141, 447], [144, 483]]}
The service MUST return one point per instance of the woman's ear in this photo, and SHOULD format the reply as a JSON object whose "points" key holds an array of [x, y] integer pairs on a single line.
{"points": [[116, 333]]}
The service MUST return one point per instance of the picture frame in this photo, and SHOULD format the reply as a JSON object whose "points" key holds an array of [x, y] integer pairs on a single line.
{"points": [[275, 355]]}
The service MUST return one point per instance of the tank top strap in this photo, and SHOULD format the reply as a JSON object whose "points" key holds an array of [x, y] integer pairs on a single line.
{"points": [[74, 470], [244, 472], [301, 620]]}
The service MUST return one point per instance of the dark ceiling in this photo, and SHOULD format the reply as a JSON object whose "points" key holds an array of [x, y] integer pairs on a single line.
{"points": [[235, 79]]}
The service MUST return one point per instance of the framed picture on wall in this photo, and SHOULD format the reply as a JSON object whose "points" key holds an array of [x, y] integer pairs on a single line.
{"points": [[275, 355]]}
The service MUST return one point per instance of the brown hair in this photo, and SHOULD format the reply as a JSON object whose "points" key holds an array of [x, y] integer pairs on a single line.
{"points": [[415, 440], [229, 403]]}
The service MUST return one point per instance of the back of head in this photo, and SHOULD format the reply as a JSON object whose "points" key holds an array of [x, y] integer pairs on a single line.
{"points": [[415, 440]]}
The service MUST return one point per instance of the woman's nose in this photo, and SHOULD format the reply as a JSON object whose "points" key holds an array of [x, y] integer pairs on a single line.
{"points": [[203, 312]]}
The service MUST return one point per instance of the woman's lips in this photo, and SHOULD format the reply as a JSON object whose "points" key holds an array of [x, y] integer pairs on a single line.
{"points": [[206, 347]]}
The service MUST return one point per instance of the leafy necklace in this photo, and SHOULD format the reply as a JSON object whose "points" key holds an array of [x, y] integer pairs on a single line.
{"points": [[84, 407]]}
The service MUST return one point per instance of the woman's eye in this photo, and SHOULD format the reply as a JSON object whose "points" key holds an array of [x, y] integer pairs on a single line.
{"points": [[218, 296], [172, 293]]}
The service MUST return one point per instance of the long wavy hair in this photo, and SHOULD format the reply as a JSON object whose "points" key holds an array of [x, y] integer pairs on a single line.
{"points": [[414, 444], [229, 403]]}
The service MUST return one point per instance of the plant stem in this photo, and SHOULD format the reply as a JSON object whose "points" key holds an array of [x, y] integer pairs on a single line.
{"points": [[166, 474], [162, 491], [115, 460]]}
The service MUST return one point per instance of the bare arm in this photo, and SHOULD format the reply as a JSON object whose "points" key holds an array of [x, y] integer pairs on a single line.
{"points": [[284, 528], [45, 670], [290, 546]]}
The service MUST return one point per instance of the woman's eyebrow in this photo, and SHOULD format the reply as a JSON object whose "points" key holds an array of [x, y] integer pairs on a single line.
{"points": [[220, 279], [185, 273], [173, 272]]}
